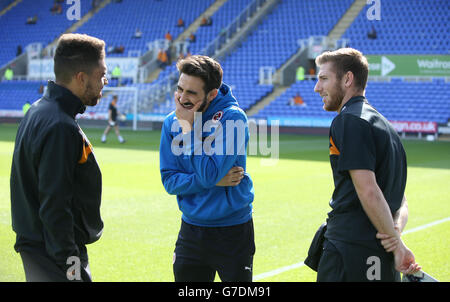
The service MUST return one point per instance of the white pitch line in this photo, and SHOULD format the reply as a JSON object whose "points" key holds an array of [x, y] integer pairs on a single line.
{"points": [[300, 264], [419, 228], [278, 271]]}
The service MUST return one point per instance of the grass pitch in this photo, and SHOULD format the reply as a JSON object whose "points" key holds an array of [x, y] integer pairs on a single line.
{"points": [[291, 201]]}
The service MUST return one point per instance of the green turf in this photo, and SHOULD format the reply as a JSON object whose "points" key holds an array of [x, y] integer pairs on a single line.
{"points": [[291, 201]]}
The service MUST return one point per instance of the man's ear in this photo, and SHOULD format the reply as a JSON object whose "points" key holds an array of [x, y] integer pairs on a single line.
{"points": [[81, 79], [348, 79], [212, 94]]}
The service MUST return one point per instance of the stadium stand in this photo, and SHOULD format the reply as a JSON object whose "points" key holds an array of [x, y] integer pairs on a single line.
{"points": [[396, 100], [14, 94], [153, 18], [289, 22], [5, 3], [407, 27], [14, 31], [408, 32], [220, 20], [204, 35]]}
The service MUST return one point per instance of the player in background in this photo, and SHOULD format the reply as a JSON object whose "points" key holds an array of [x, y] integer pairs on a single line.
{"points": [[113, 113]]}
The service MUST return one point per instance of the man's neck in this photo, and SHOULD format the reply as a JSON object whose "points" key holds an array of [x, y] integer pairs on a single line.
{"points": [[68, 87], [349, 95]]}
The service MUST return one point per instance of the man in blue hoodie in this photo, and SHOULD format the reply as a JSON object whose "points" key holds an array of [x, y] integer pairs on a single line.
{"points": [[203, 162]]}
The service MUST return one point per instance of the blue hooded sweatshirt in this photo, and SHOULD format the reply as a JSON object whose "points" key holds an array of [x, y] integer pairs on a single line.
{"points": [[192, 164]]}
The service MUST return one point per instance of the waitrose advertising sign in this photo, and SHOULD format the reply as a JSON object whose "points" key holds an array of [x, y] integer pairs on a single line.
{"points": [[398, 65]]}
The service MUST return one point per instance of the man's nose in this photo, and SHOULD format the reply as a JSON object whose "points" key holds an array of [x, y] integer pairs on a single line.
{"points": [[182, 97], [317, 87]]}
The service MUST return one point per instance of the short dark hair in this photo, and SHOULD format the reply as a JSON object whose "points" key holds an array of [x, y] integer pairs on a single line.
{"points": [[347, 59], [206, 68], [77, 53]]}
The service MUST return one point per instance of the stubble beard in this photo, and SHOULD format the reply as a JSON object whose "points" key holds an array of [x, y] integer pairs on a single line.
{"points": [[91, 98], [335, 100]]}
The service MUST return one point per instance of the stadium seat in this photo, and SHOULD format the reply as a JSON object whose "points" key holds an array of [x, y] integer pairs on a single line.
{"points": [[396, 100], [413, 31], [14, 31], [422, 29]]}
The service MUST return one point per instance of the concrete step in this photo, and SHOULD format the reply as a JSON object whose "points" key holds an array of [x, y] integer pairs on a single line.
{"points": [[267, 100], [347, 19]]}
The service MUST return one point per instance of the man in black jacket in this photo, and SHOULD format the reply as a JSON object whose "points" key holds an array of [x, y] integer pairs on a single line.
{"points": [[369, 169], [55, 179]]}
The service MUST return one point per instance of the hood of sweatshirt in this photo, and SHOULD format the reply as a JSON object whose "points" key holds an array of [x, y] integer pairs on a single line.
{"points": [[224, 99]]}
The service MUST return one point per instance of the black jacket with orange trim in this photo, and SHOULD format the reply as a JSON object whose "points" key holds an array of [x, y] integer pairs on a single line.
{"points": [[55, 180]]}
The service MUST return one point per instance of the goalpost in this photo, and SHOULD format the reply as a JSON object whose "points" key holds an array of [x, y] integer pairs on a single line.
{"points": [[127, 103], [136, 103]]}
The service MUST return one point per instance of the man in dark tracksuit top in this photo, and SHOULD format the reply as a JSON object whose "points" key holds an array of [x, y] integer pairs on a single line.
{"points": [[112, 121], [55, 179], [213, 191], [369, 172]]}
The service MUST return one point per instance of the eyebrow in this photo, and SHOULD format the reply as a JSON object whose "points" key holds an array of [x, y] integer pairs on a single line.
{"points": [[188, 91]]}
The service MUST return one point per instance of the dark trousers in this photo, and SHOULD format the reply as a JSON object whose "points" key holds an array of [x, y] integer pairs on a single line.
{"points": [[41, 268], [200, 252], [346, 262]]}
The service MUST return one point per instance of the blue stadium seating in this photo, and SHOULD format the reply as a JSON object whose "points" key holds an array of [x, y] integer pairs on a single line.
{"points": [[5, 3], [220, 20], [14, 94], [421, 28], [14, 31], [406, 27], [117, 22], [398, 100], [271, 44], [275, 40], [204, 35], [291, 20]]}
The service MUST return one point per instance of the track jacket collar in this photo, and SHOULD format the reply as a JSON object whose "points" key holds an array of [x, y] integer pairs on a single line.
{"points": [[69, 102], [355, 99]]}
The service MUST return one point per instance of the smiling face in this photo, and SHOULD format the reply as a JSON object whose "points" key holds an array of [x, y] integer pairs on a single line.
{"points": [[190, 92], [330, 88]]}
